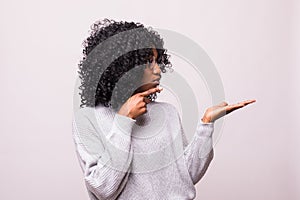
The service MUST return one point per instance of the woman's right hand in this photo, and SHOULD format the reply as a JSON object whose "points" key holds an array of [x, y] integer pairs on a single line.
{"points": [[137, 104]]}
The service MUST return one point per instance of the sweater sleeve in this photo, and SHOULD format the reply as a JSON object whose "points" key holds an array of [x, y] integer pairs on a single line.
{"points": [[104, 160], [199, 153]]}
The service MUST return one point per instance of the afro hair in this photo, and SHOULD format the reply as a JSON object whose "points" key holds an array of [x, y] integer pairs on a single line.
{"points": [[115, 55]]}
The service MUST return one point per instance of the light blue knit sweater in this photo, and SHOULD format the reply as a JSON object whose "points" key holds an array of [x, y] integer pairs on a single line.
{"points": [[143, 158]]}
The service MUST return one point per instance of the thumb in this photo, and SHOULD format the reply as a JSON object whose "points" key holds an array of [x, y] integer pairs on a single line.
{"points": [[223, 104]]}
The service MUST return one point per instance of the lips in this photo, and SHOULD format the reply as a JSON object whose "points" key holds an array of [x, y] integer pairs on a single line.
{"points": [[156, 80]]}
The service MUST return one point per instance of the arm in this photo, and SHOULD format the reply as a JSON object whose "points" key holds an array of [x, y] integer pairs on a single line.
{"points": [[199, 152], [105, 167]]}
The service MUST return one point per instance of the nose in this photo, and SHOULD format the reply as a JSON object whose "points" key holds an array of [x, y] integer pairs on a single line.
{"points": [[156, 69]]}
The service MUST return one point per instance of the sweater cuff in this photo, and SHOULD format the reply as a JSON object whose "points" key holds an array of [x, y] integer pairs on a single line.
{"points": [[205, 129], [120, 134], [124, 123]]}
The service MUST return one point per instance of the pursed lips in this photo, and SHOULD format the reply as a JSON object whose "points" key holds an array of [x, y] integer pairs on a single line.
{"points": [[158, 79]]}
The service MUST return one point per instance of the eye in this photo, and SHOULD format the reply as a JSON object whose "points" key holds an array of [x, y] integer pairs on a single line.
{"points": [[151, 62], [152, 59]]}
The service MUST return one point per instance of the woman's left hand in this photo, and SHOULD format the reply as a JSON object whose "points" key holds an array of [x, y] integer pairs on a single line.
{"points": [[215, 112]]}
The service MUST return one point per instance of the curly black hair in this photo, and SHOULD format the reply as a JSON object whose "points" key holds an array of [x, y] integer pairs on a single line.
{"points": [[114, 57]]}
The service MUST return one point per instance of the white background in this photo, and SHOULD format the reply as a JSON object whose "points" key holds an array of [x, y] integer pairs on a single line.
{"points": [[255, 46]]}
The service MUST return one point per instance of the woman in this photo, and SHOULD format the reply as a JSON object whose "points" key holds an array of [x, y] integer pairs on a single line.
{"points": [[128, 145]]}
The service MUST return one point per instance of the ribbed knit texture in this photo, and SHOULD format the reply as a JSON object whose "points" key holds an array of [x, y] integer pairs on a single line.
{"points": [[143, 158]]}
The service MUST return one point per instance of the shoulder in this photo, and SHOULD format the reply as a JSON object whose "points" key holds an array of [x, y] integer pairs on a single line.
{"points": [[95, 120], [82, 114], [85, 119], [91, 113]]}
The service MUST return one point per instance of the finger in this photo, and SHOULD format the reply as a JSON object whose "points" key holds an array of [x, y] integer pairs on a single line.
{"points": [[144, 110], [233, 107], [249, 101], [243, 103], [151, 91], [147, 100], [142, 104], [237, 105]]}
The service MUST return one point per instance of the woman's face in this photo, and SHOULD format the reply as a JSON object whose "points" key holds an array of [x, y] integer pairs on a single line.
{"points": [[152, 74]]}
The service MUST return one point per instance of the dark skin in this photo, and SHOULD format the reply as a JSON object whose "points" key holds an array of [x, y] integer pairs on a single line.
{"points": [[137, 104], [215, 112]]}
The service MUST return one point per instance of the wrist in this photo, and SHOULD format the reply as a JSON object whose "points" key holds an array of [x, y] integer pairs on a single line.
{"points": [[205, 120], [125, 114], [129, 115]]}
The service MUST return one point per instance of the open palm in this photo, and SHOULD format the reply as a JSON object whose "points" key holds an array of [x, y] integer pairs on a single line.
{"points": [[215, 112]]}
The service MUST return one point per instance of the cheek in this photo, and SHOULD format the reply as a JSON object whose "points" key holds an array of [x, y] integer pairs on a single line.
{"points": [[146, 76]]}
